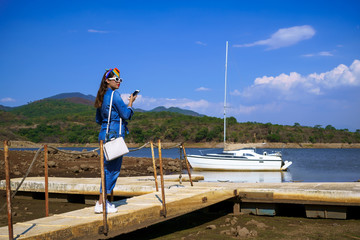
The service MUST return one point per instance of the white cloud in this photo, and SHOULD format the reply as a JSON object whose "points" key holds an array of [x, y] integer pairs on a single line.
{"points": [[308, 55], [241, 109], [284, 37], [235, 93], [323, 54], [190, 104], [294, 84], [200, 43], [202, 89], [200, 106], [96, 31], [339, 76], [7, 99]]}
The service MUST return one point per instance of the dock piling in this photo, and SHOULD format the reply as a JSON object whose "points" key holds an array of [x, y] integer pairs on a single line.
{"points": [[8, 188], [154, 165], [187, 164], [46, 180], [163, 211]]}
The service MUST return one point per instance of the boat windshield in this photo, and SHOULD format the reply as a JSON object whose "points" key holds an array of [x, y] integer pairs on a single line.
{"points": [[248, 155]]}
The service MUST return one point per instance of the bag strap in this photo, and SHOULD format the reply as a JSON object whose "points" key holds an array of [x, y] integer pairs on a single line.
{"points": [[108, 123]]}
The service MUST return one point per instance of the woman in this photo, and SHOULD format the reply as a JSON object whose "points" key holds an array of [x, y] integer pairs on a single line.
{"points": [[109, 83]]}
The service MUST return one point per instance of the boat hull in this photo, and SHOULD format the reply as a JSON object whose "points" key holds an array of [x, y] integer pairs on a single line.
{"points": [[199, 162]]}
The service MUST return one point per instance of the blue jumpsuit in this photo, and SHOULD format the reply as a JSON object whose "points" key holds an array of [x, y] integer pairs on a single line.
{"points": [[119, 109]]}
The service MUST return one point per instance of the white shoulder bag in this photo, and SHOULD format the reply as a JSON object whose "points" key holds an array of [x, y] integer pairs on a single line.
{"points": [[116, 147]]}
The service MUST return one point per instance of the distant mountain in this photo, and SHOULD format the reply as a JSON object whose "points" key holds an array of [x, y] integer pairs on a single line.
{"points": [[79, 98], [176, 110], [5, 108], [81, 101], [50, 108], [139, 110], [74, 95]]}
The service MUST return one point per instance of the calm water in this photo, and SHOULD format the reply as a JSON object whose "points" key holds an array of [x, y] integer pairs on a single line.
{"points": [[309, 165]]}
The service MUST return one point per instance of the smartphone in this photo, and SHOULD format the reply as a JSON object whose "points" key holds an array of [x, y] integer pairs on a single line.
{"points": [[135, 92]]}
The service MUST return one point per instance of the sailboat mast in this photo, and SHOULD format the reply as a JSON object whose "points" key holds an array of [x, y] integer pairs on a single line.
{"points": [[226, 61]]}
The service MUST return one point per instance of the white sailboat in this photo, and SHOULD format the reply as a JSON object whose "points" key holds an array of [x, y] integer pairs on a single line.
{"points": [[237, 160]]}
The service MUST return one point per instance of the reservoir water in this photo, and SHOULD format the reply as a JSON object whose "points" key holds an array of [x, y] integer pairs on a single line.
{"points": [[309, 165]]}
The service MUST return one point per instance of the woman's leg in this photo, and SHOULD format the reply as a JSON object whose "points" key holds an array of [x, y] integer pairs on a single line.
{"points": [[112, 172]]}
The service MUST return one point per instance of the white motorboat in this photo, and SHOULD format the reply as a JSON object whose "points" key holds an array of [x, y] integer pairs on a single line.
{"points": [[238, 160], [246, 159]]}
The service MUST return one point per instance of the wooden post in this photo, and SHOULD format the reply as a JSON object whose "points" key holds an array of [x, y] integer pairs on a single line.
{"points": [[180, 158], [46, 181], [112, 196], [154, 165], [187, 164], [8, 189], [103, 229], [163, 211]]}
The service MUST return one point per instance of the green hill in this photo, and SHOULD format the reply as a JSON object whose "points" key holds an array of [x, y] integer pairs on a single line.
{"points": [[176, 110], [62, 120], [50, 108]]}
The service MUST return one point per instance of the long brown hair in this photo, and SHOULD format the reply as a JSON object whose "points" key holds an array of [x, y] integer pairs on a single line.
{"points": [[102, 90]]}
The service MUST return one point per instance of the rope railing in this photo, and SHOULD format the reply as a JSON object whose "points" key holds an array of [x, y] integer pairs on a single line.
{"points": [[25, 176], [136, 149], [174, 146], [102, 229], [178, 145]]}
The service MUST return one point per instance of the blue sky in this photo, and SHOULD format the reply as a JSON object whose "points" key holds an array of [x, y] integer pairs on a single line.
{"points": [[289, 61]]}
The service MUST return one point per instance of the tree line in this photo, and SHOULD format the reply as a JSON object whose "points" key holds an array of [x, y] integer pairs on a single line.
{"points": [[66, 122]]}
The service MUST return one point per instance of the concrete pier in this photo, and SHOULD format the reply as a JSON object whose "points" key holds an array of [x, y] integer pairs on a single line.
{"points": [[328, 200], [125, 187]]}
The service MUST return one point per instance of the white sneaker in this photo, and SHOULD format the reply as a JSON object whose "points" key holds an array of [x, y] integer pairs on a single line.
{"points": [[109, 204], [110, 208], [98, 207]]}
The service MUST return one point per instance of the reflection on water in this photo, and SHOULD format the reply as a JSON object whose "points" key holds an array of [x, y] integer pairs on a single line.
{"points": [[246, 177]]}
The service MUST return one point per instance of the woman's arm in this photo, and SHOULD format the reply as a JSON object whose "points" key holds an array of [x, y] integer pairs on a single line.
{"points": [[124, 110]]}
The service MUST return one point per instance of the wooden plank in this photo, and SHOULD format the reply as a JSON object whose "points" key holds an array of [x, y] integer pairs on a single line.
{"points": [[256, 196], [317, 211]]}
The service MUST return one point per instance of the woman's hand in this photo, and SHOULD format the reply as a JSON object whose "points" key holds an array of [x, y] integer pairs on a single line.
{"points": [[131, 100]]}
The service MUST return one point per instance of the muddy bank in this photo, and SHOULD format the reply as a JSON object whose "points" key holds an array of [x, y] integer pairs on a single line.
{"points": [[26, 208], [232, 146], [212, 224]]}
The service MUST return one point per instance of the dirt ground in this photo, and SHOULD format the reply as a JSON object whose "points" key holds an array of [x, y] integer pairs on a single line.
{"points": [[211, 223], [216, 225]]}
